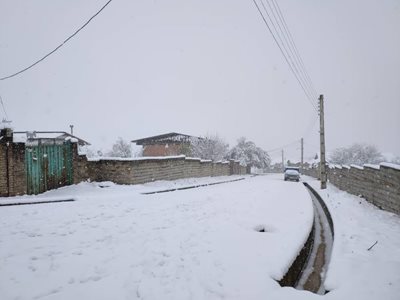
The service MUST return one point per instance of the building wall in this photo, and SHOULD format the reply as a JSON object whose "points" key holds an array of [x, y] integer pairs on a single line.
{"points": [[162, 150], [378, 185]]}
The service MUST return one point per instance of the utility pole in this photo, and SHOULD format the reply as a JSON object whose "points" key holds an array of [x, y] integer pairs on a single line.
{"points": [[283, 162], [322, 142], [72, 129], [302, 155]]}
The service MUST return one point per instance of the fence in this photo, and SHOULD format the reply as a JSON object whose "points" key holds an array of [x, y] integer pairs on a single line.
{"points": [[141, 170], [380, 185]]}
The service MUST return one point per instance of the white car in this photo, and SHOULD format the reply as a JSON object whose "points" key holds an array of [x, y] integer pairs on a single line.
{"points": [[292, 173]]}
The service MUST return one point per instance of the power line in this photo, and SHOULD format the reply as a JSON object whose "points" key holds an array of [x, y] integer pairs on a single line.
{"points": [[286, 27], [282, 52], [59, 46], [290, 53]]}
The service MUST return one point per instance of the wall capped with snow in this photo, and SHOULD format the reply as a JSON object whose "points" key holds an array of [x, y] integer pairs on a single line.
{"points": [[13, 177], [136, 171], [380, 184]]}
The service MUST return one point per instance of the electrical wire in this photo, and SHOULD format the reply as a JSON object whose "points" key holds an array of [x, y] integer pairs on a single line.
{"points": [[290, 37], [59, 46], [283, 52], [286, 46]]}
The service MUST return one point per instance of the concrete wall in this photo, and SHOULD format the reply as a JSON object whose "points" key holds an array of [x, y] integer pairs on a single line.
{"points": [[136, 171], [380, 185]]}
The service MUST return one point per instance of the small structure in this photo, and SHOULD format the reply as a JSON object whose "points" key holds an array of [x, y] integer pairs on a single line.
{"points": [[37, 161], [168, 144]]}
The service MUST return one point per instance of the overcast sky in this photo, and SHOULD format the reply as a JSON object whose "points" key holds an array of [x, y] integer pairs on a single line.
{"points": [[144, 67]]}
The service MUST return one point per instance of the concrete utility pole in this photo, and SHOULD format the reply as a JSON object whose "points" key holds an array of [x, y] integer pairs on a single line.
{"points": [[302, 155], [283, 162], [322, 142]]}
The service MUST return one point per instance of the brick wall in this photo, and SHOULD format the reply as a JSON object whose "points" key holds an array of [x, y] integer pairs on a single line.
{"points": [[380, 185], [3, 171], [79, 165], [12, 169], [136, 171]]}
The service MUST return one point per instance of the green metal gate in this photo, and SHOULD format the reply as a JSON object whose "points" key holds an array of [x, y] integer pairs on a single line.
{"points": [[48, 164]]}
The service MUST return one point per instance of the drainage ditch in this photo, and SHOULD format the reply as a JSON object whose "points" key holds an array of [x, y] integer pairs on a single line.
{"points": [[309, 269]]}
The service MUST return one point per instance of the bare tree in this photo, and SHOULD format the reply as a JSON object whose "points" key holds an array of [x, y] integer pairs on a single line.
{"points": [[210, 147], [121, 148], [249, 154], [357, 154]]}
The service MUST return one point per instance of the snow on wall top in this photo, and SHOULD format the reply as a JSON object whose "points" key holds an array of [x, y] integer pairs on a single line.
{"points": [[372, 166], [136, 158], [390, 165], [357, 167], [376, 167], [153, 158]]}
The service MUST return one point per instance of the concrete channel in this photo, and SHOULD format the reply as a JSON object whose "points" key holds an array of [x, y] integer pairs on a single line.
{"points": [[308, 271]]}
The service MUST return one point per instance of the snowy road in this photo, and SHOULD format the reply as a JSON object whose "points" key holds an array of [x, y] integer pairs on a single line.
{"points": [[116, 243], [192, 244]]}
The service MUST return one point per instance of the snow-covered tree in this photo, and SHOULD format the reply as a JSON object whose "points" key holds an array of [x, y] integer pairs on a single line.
{"points": [[357, 154], [121, 148], [396, 160], [249, 154], [210, 147]]}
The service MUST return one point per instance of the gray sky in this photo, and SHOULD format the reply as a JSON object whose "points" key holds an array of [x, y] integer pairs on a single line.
{"points": [[144, 67]]}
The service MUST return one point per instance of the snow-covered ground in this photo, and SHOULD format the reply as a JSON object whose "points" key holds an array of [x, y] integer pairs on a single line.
{"points": [[113, 242], [354, 271]]}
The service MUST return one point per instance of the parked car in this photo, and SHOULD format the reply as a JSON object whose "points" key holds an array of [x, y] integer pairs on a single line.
{"points": [[292, 173]]}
